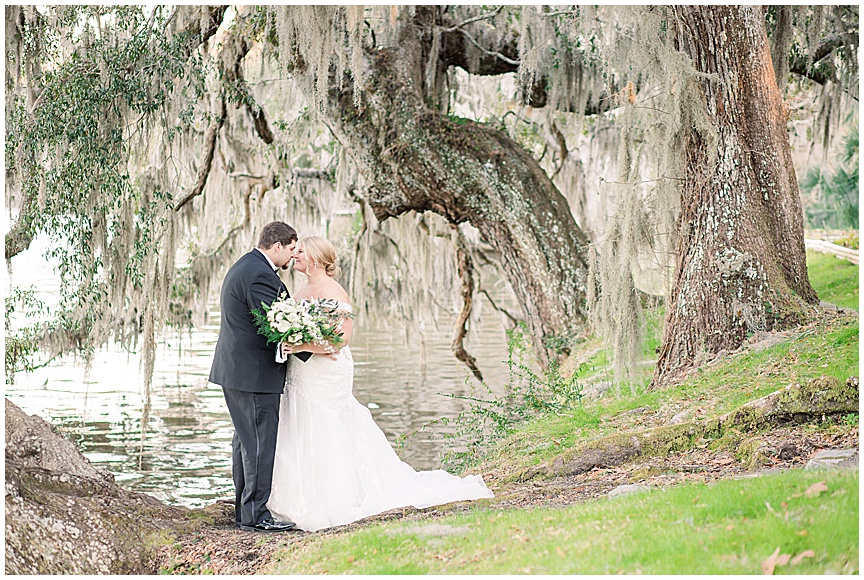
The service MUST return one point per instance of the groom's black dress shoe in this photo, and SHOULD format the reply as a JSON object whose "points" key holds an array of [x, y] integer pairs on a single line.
{"points": [[269, 525]]}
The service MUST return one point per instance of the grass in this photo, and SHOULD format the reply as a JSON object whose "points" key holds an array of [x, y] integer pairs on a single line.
{"points": [[835, 280], [728, 527]]}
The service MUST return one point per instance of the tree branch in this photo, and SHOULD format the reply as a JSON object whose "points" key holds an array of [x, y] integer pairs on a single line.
{"points": [[215, 16], [20, 236], [466, 269], [803, 66], [485, 16], [210, 147], [497, 55], [235, 50], [558, 13], [513, 319], [261, 125], [458, 48], [312, 174], [461, 49]]}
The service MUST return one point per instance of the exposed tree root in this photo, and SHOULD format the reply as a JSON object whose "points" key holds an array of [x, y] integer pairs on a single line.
{"points": [[64, 516], [819, 398]]}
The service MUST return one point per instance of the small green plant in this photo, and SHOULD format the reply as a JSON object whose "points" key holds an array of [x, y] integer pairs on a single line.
{"points": [[560, 344], [457, 120], [491, 415]]}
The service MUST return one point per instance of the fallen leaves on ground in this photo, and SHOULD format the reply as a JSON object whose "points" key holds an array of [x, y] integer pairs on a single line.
{"points": [[816, 489], [769, 564]]}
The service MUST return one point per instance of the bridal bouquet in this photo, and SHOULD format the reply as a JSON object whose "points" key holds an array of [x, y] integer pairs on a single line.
{"points": [[296, 322]]}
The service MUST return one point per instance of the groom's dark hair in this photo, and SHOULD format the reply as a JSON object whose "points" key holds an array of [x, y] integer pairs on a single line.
{"points": [[276, 232]]}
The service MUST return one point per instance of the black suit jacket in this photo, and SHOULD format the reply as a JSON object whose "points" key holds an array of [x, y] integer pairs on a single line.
{"points": [[243, 359]]}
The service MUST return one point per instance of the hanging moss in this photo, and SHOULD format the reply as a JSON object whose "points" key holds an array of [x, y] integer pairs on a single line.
{"points": [[108, 151]]}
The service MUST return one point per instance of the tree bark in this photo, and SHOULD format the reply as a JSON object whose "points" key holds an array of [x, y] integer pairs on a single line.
{"points": [[740, 254], [414, 158], [64, 516]]}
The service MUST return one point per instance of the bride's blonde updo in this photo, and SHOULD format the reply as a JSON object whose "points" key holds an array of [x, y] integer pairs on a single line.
{"points": [[321, 253]]}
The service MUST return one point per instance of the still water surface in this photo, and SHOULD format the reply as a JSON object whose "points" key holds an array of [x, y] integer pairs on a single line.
{"points": [[184, 457]]}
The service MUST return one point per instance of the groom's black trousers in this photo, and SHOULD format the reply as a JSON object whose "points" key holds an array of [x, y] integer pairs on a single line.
{"points": [[256, 420]]}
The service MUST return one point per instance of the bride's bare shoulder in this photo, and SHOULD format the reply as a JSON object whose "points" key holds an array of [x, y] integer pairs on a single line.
{"points": [[337, 291], [329, 290]]}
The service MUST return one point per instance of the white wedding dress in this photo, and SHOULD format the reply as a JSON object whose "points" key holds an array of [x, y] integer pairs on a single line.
{"points": [[333, 463]]}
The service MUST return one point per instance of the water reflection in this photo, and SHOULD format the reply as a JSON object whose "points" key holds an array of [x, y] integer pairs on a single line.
{"points": [[184, 458]]}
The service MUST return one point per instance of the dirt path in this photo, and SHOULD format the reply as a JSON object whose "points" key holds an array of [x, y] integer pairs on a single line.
{"points": [[222, 549]]}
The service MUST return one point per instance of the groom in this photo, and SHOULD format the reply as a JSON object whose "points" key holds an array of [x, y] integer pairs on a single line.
{"points": [[251, 379]]}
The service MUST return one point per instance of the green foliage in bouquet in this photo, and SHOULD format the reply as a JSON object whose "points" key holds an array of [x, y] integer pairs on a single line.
{"points": [[315, 321]]}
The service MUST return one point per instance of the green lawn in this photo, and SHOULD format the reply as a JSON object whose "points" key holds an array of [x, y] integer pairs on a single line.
{"points": [[728, 527], [835, 280]]}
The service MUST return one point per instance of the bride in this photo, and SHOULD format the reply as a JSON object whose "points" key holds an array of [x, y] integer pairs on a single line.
{"points": [[333, 463]]}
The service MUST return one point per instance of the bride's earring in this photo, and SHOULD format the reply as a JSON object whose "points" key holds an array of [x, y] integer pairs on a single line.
{"points": [[314, 265]]}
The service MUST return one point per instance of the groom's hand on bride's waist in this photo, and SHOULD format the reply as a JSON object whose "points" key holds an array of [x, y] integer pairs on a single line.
{"points": [[287, 349], [283, 351]]}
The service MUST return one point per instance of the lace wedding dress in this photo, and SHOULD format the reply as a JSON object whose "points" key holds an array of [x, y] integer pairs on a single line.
{"points": [[333, 463]]}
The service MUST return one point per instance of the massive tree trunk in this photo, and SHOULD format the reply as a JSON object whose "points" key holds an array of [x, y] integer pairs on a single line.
{"points": [[414, 158], [741, 262]]}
